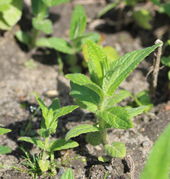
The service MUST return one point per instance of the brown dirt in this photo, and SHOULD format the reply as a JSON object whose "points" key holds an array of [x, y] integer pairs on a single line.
{"points": [[18, 81]]}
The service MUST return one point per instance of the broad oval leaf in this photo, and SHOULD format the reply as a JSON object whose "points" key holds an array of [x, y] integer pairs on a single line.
{"points": [[85, 97], [158, 164], [58, 44], [116, 117], [83, 80], [62, 144], [44, 25], [117, 149], [44, 165], [94, 138], [122, 67], [13, 13], [80, 129]]}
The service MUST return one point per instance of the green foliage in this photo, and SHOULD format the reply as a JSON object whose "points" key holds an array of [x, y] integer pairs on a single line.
{"points": [[81, 129], [143, 18], [158, 164], [77, 36], [45, 141], [4, 149], [68, 174], [98, 94], [10, 13], [40, 24], [166, 61]]}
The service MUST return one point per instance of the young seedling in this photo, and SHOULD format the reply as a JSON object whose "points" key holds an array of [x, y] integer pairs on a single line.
{"points": [[10, 13], [40, 21], [98, 94], [4, 149], [45, 142], [77, 37]]}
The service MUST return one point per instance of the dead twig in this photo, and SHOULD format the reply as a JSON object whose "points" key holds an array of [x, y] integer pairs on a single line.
{"points": [[156, 67]]}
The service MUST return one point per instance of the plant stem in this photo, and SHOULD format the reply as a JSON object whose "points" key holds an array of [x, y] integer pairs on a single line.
{"points": [[103, 132]]}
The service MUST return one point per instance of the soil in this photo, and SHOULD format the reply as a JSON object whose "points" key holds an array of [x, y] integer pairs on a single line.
{"points": [[20, 77]]}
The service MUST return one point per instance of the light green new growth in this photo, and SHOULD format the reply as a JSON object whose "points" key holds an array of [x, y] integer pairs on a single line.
{"points": [[4, 149], [10, 13], [45, 141], [98, 94]]}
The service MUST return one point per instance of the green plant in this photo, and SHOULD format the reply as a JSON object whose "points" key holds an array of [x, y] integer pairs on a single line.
{"points": [[139, 11], [10, 13], [40, 21], [77, 38], [166, 61], [45, 142], [4, 149], [98, 94], [158, 164]]}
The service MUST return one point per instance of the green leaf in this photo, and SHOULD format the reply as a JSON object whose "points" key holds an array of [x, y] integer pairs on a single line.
{"points": [[80, 129], [107, 9], [3, 24], [23, 37], [64, 110], [62, 144], [116, 117], [111, 53], [44, 165], [4, 130], [122, 67], [68, 174], [117, 97], [158, 163], [51, 3], [83, 80], [117, 149], [5, 149], [165, 8], [97, 61], [94, 138], [39, 143], [39, 8], [13, 13], [4, 5], [44, 25], [78, 22], [166, 61], [55, 104], [85, 97], [132, 112], [143, 18], [143, 98], [58, 44]]}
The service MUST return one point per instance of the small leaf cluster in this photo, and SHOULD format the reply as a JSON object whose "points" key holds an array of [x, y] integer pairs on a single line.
{"points": [[98, 94], [10, 13], [45, 142], [142, 16], [77, 35], [40, 21]]}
